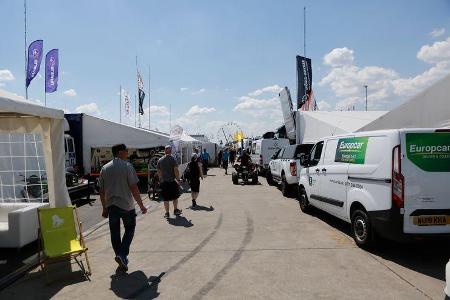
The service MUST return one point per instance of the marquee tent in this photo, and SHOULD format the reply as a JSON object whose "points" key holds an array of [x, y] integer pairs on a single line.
{"points": [[313, 125], [39, 126], [428, 109]]}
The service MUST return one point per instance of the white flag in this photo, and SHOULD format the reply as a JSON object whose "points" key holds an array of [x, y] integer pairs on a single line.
{"points": [[127, 102]]}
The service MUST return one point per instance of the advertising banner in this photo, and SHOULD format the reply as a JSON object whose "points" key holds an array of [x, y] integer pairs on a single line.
{"points": [[351, 150], [51, 71], [34, 60], [288, 114], [304, 80], [429, 151], [141, 93]]}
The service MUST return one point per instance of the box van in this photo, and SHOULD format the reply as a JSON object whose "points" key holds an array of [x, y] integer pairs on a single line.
{"points": [[395, 183], [263, 150]]}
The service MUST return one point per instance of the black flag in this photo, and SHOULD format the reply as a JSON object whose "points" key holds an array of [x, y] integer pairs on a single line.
{"points": [[304, 80], [141, 93]]}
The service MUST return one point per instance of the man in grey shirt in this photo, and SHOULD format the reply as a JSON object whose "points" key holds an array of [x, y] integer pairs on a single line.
{"points": [[118, 186], [169, 178]]}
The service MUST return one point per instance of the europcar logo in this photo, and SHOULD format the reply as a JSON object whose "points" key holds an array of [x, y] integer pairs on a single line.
{"points": [[351, 150], [429, 151]]}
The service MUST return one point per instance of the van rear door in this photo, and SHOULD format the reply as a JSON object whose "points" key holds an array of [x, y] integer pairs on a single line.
{"points": [[425, 167]]}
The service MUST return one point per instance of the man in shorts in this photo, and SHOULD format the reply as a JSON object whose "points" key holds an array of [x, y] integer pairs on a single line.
{"points": [[169, 178]]}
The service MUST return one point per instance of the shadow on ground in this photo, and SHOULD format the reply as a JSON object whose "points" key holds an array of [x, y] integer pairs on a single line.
{"points": [[427, 257], [180, 221], [135, 285], [201, 207]]}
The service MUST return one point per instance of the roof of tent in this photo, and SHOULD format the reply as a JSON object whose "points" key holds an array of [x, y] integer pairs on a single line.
{"points": [[428, 109], [10, 107], [313, 125]]}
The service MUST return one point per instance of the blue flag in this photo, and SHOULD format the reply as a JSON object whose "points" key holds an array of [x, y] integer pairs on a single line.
{"points": [[51, 71], [34, 60]]}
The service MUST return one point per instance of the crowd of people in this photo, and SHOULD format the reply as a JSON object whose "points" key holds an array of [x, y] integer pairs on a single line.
{"points": [[118, 184]]}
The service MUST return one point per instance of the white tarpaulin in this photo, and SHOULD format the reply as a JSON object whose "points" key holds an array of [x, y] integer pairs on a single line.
{"points": [[428, 109], [98, 133], [23, 117], [314, 125]]}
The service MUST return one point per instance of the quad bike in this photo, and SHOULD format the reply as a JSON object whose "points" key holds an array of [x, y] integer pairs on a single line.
{"points": [[246, 173]]}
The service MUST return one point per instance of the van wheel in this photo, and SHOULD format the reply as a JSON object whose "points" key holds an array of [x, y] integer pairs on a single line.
{"points": [[284, 186], [362, 229], [303, 201], [269, 178]]}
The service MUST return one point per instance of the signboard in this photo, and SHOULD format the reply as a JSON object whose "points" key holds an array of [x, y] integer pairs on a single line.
{"points": [[351, 150], [429, 151]]}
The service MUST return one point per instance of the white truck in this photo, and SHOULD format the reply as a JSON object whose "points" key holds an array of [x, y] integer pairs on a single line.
{"points": [[285, 166], [263, 150], [394, 183]]}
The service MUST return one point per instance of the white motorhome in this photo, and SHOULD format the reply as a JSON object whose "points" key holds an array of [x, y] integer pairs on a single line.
{"points": [[263, 150], [394, 183]]}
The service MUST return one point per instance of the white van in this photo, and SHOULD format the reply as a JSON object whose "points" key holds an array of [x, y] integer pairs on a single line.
{"points": [[263, 150], [395, 183]]}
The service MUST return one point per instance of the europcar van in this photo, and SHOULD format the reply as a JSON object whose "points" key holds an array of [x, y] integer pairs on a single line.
{"points": [[395, 183]]}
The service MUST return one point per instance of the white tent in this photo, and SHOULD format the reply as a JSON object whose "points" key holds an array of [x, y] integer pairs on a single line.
{"points": [[313, 125], [23, 117], [428, 109]]}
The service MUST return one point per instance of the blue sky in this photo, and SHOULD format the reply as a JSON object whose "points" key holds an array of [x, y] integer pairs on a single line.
{"points": [[221, 61]]}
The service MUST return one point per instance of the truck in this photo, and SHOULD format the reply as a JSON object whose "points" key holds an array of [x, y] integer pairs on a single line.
{"points": [[262, 151], [284, 168], [89, 141]]}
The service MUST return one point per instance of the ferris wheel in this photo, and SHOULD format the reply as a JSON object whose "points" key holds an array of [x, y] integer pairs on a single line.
{"points": [[229, 132]]}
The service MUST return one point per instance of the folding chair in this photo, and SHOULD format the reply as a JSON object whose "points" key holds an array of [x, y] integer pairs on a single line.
{"points": [[59, 239]]}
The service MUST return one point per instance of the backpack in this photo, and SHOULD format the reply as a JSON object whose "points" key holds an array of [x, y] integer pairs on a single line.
{"points": [[187, 171]]}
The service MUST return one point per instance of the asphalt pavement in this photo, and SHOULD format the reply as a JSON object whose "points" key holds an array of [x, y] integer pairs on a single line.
{"points": [[244, 242]]}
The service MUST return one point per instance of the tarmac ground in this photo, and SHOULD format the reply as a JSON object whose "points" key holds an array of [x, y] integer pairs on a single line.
{"points": [[241, 242]]}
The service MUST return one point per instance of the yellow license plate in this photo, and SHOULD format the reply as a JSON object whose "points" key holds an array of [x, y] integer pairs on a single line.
{"points": [[431, 220]]}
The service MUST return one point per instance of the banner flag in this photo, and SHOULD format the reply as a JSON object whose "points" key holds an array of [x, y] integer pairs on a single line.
{"points": [[304, 80], [141, 93], [51, 71], [127, 102], [34, 60]]}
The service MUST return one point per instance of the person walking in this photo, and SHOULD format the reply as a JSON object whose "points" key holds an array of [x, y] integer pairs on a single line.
{"points": [[225, 158], [193, 177], [169, 177], [205, 161], [118, 186], [232, 155], [219, 158]]}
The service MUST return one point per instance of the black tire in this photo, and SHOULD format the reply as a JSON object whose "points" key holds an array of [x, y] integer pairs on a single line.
{"points": [[269, 178], [303, 201], [362, 229], [284, 186], [234, 178]]}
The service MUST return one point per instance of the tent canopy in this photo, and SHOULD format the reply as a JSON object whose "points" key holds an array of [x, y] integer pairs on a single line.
{"points": [[24, 117], [314, 125], [428, 109]]}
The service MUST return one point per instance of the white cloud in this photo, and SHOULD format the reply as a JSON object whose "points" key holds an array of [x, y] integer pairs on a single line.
{"points": [[437, 32], [5, 75], [90, 108], [156, 110], [323, 105], [183, 89], [339, 57], [200, 91], [268, 89], [438, 52], [197, 110], [70, 93], [385, 86]]}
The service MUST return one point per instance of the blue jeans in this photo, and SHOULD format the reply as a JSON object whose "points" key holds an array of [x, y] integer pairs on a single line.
{"points": [[121, 246]]}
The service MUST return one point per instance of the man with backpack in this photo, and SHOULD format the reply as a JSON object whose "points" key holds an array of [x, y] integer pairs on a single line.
{"points": [[193, 173]]}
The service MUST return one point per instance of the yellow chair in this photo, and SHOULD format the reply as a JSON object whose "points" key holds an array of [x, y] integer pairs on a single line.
{"points": [[59, 239]]}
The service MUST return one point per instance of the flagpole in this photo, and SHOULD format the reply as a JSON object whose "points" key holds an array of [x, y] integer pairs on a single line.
{"points": [[25, 34], [134, 110], [45, 98], [170, 118], [149, 97], [304, 31], [120, 103]]}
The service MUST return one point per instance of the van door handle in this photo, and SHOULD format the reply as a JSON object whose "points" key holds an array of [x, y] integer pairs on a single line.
{"points": [[317, 170], [324, 170]]}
